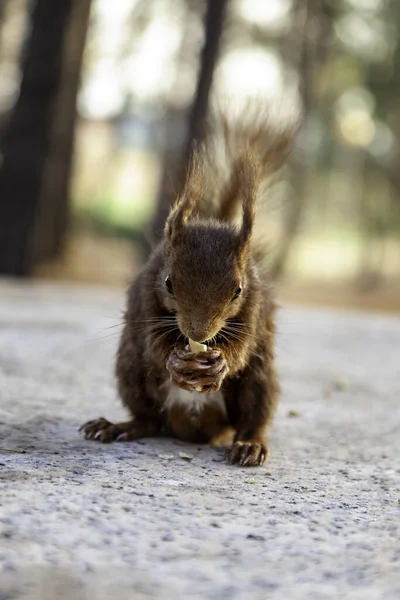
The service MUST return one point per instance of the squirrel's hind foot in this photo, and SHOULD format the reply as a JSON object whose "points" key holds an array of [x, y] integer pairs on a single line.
{"points": [[101, 430], [247, 454]]}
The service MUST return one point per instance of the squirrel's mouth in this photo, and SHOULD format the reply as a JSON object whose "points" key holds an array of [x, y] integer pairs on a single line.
{"points": [[197, 339], [199, 334], [207, 341]]}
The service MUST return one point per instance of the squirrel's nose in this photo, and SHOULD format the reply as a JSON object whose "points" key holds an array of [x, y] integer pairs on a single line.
{"points": [[199, 337], [197, 332]]}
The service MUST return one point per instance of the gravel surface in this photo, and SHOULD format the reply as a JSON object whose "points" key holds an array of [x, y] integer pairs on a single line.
{"points": [[79, 520]]}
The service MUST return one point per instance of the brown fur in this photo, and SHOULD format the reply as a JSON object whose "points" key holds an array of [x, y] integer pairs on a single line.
{"points": [[206, 261]]}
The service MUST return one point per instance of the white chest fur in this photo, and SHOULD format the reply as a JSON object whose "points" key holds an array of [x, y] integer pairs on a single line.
{"points": [[193, 401]]}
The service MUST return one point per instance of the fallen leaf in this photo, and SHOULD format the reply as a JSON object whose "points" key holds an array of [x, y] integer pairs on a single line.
{"points": [[341, 384], [293, 413], [166, 456], [185, 456], [253, 536]]}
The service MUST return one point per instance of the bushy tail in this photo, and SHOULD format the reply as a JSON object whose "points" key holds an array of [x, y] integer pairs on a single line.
{"points": [[230, 170], [238, 149]]}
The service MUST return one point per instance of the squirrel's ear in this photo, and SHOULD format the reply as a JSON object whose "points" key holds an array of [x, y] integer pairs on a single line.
{"points": [[247, 172], [177, 219], [184, 207]]}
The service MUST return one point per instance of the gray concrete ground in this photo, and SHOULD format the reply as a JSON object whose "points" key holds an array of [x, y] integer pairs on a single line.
{"points": [[79, 520]]}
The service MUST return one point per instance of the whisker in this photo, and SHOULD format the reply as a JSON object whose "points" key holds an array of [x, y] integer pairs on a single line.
{"points": [[245, 333], [154, 319], [278, 334], [112, 327], [155, 325], [104, 337], [236, 351], [240, 339], [169, 332], [237, 338]]}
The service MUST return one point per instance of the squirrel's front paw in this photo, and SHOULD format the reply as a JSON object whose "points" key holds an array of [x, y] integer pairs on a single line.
{"points": [[201, 372]]}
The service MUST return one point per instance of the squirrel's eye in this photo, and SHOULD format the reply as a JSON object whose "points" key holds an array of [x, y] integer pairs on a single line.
{"points": [[168, 285], [237, 293]]}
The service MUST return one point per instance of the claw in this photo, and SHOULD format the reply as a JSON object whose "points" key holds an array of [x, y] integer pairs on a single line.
{"points": [[247, 454], [203, 372]]}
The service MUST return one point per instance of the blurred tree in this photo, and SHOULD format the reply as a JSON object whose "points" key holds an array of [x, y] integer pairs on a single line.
{"points": [[299, 55], [178, 151], [305, 50], [55, 194], [379, 176], [2, 9], [32, 132]]}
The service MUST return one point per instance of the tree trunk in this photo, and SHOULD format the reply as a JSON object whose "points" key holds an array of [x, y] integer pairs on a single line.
{"points": [[176, 161], [26, 140], [52, 218], [2, 9], [301, 52]]}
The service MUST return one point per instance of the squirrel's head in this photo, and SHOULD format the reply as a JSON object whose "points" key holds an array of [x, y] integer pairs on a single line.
{"points": [[207, 276]]}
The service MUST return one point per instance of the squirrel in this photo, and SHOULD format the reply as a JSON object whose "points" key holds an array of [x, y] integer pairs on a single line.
{"points": [[205, 283]]}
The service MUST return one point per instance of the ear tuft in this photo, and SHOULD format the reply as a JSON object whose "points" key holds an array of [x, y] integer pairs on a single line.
{"points": [[247, 172], [191, 197]]}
